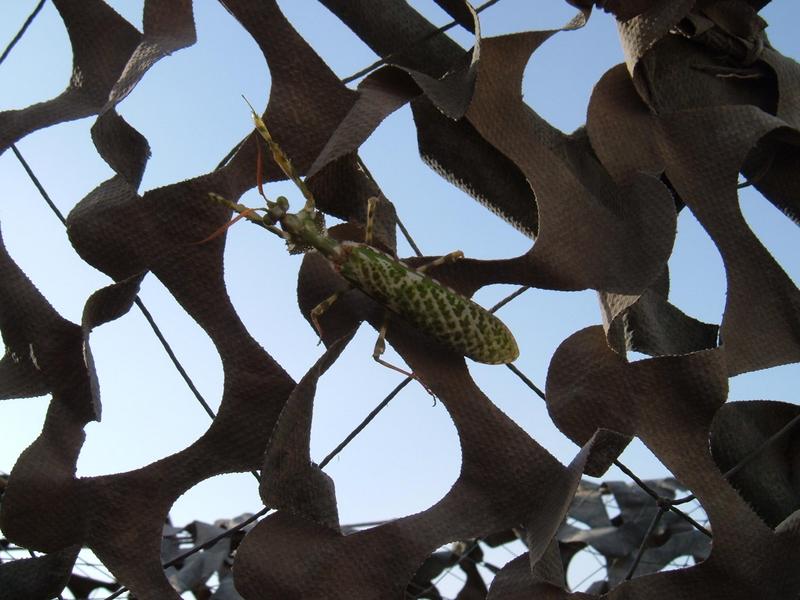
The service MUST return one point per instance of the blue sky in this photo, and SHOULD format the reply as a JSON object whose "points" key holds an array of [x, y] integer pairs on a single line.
{"points": [[190, 109]]}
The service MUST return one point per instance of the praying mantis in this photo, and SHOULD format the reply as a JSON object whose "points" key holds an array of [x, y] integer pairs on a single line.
{"points": [[450, 318]]}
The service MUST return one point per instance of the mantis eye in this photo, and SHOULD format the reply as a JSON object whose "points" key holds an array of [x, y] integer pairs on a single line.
{"points": [[276, 210]]}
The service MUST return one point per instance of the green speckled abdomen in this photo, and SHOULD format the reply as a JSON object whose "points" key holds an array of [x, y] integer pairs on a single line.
{"points": [[454, 320]]}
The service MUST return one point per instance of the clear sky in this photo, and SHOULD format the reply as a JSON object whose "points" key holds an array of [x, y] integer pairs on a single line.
{"points": [[189, 107]]}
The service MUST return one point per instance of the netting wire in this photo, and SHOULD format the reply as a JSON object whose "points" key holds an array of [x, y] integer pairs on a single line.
{"points": [[22, 30]]}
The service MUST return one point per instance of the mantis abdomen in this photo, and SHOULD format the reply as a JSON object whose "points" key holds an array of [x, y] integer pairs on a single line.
{"points": [[444, 314]]}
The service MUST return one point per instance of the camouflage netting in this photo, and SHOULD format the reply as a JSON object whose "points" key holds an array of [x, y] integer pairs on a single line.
{"points": [[702, 97]]}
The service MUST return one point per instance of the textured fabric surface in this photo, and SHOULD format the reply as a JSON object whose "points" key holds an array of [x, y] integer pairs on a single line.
{"points": [[669, 130]]}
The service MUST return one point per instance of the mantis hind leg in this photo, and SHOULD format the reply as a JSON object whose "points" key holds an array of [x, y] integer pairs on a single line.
{"points": [[380, 348], [442, 260]]}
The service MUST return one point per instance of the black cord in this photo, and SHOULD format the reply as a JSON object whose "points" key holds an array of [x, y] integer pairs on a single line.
{"points": [[22, 31]]}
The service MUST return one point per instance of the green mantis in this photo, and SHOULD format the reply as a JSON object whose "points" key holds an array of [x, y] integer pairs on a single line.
{"points": [[452, 319]]}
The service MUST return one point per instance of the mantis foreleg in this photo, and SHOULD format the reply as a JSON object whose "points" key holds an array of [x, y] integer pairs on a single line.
{"points": [[371, 204], [320, 309]]}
